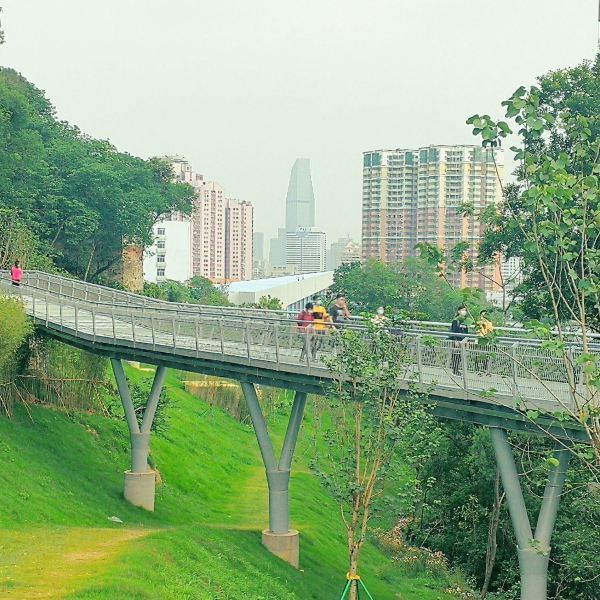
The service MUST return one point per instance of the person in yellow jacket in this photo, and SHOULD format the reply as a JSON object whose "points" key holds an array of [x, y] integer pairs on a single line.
{"points": [[320, 324], [484, 328]]}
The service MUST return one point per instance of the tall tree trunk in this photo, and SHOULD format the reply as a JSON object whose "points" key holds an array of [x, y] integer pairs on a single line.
{"points": [[89, 265], [353, 569], [492, 544]]}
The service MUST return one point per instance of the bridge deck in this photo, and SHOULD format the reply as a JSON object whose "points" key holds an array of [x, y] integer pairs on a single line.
{"points": [[265, 346]]}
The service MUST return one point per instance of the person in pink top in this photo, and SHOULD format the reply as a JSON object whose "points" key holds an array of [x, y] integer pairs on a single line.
{"points": [[16, 273]]}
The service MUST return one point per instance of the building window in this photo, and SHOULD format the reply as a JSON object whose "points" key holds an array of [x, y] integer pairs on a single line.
{"points": [[160, 244], [160, 259], [160, 272], [160, 231]]}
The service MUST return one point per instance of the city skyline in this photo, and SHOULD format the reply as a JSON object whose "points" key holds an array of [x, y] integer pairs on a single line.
{"points": [[272, 96]]}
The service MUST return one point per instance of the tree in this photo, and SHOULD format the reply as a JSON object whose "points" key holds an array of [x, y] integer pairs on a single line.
{"points": [[412, 289], [370, 415], [551, 220], [267, 302], [203, 291], [198, 290], [464, 469], [81, 198]]}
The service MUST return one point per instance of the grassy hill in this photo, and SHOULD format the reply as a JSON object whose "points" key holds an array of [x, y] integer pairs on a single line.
{"points": [[61, 480]]}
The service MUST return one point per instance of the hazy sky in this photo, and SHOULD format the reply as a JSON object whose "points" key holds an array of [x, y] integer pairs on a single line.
{"points": [[242, 87]]}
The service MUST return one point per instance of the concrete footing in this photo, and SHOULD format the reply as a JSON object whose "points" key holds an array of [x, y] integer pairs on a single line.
{"points": [[284, 545], [139, 489]]}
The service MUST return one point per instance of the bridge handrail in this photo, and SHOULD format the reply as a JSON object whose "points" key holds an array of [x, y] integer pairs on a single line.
{"points": [[265, 317], [131, 299]]}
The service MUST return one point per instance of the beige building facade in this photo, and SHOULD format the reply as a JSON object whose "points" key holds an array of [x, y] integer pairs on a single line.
{"points": [[417, 196]]}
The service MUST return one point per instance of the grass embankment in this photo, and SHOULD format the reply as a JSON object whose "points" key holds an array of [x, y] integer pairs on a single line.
{"points": [[61, 479]]}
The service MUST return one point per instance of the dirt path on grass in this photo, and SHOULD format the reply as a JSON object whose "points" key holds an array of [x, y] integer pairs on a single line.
{"points": [[53, 562]]}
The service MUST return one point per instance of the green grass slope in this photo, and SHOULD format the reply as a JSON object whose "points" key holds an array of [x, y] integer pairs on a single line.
{"points": [[61, 478]]}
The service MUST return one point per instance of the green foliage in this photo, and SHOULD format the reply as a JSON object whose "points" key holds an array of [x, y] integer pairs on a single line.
{"points": [[15, 328], [549, 218], [464, 468], [203, 291], [370, 415], [140, 392], [411, 289], [198, 290], [79, 197], [267, 302]]}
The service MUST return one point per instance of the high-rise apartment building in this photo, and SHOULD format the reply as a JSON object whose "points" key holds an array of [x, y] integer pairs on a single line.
{"points": [[215, 241], [414, 196], [208, 232], [344, 251], [221, 235], [306, 250], [239, 223]]}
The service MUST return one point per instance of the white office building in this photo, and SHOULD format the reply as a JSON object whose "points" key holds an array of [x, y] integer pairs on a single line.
{"points": [[306, 250], [170, 257]]}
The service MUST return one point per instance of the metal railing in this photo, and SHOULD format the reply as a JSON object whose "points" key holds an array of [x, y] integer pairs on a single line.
{"points": [[77, 289], [503, 372]]}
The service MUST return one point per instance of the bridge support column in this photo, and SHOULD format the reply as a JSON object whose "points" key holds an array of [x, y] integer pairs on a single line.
{"points": [[278, 538], [139, 487], [533, 552]]}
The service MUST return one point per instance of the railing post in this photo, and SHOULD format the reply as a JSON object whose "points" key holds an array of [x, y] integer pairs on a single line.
{"points": [[197, 336], [276, 336], [419, 351], [464, 360], [514, 368], [133, 327], [247, 333], [76, 321], [173, 324], [93, 311], [152, 321], [221, 337]]}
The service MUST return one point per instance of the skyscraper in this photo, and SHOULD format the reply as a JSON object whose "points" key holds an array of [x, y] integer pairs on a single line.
{"points": [[300, 200], [414, 196]]}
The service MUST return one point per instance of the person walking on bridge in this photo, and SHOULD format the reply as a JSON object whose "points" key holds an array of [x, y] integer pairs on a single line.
{"points": [[16, 273], [304, 321], [339, 310], [484, 330], [321, 318], [459, 330]]}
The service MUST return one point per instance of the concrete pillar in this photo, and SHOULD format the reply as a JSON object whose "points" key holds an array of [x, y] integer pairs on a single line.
{"points": [[278, 538], [140, 480], [139, 489], [286, 546], [533, 551]]}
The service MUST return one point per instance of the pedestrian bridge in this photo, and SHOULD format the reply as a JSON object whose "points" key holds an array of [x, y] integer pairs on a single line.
{"points": [[515, 384], [496, 385]]}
